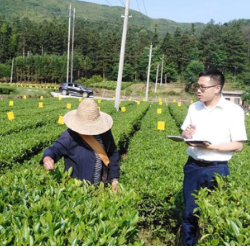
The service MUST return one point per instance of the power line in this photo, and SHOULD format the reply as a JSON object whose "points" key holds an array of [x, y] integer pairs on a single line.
{"points": [[109, 3], [141, 13], [138, 6], [122, 3], [144, 7]]}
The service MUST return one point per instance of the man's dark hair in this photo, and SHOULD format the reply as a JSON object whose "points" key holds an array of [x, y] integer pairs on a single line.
{"points": [[215, 74]]}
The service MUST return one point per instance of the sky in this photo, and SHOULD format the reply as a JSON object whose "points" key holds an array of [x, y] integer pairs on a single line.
{"points": [[187, 11]]}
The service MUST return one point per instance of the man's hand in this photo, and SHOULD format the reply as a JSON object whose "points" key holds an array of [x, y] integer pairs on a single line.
{"points": [[189, 131], [234, 146], [48, 163], [206, 145]]}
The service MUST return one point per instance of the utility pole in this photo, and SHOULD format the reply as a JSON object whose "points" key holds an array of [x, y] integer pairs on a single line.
{"points": [[67, 77], [12, 66], [149, 66], [121, 61], [73, 39], [156, 80], [162, 68]]}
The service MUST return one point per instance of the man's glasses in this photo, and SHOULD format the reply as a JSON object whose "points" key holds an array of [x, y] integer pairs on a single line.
{"points": [[203, 88]]}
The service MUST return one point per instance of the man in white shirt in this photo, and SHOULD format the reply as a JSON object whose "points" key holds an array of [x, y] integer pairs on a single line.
{"points": [[222, 124]]}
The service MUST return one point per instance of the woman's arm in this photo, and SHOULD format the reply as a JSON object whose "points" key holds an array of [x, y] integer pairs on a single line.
{"points": [[113, 154], [54, 153]]}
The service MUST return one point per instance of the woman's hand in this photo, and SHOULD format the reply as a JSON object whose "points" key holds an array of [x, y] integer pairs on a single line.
{"points": [[114, 185], [48, 163]]}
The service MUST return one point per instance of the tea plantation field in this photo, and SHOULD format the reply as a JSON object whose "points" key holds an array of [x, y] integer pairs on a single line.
{"points": [[39, 207]]}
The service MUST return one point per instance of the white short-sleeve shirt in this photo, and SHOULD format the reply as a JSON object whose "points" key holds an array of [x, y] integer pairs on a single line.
{"points": [[222, 124]]}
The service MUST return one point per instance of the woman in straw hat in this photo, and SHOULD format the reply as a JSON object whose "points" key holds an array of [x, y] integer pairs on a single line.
{"points": [[87, 146]]}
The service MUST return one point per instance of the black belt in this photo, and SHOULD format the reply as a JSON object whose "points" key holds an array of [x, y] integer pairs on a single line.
{"points": [[201, 163]]}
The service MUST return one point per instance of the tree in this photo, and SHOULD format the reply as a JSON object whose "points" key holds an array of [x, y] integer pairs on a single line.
{"points": [[191, 74], [193, 29], [128, 73], [195, 54], [5, 32], [155, 39], [223, 47], [143, 64], [40, 49], [235, 48], [218, 58], [171, 73], [4, 71], [246, 96]]}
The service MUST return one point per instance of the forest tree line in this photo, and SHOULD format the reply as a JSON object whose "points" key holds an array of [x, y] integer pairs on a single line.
{"points": [[39, 50]]}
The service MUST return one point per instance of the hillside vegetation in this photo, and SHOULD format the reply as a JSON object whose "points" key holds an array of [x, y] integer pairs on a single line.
{"points": [[37, 10]]}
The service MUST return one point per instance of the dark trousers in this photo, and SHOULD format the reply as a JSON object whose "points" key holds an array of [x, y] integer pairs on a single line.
{"points": [[197, 175]]}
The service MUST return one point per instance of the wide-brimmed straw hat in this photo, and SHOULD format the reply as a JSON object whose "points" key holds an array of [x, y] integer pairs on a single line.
{"points": [[87, 119]]}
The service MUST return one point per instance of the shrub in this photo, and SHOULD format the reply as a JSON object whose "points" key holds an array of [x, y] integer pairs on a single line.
{"points": [[7, 90], [93, 79]]}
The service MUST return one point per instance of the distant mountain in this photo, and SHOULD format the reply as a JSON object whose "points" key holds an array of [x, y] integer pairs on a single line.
{"points": [[38, 10]]}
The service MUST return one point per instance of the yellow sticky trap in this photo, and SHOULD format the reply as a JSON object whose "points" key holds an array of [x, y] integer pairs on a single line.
{"points": [[10, 115], [113, 98], [123, 109], [159, 111], [60, 120], [46, 87], [138, 103], [11, 103], [24, 97], [191, 101], [68, 105], [59, 98], [99, 108], [40, 104], [144, 99], [41, 97], [160, 103], [161, 126], [174, 100], [99, 101], [80, 99], [179, 104]]}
